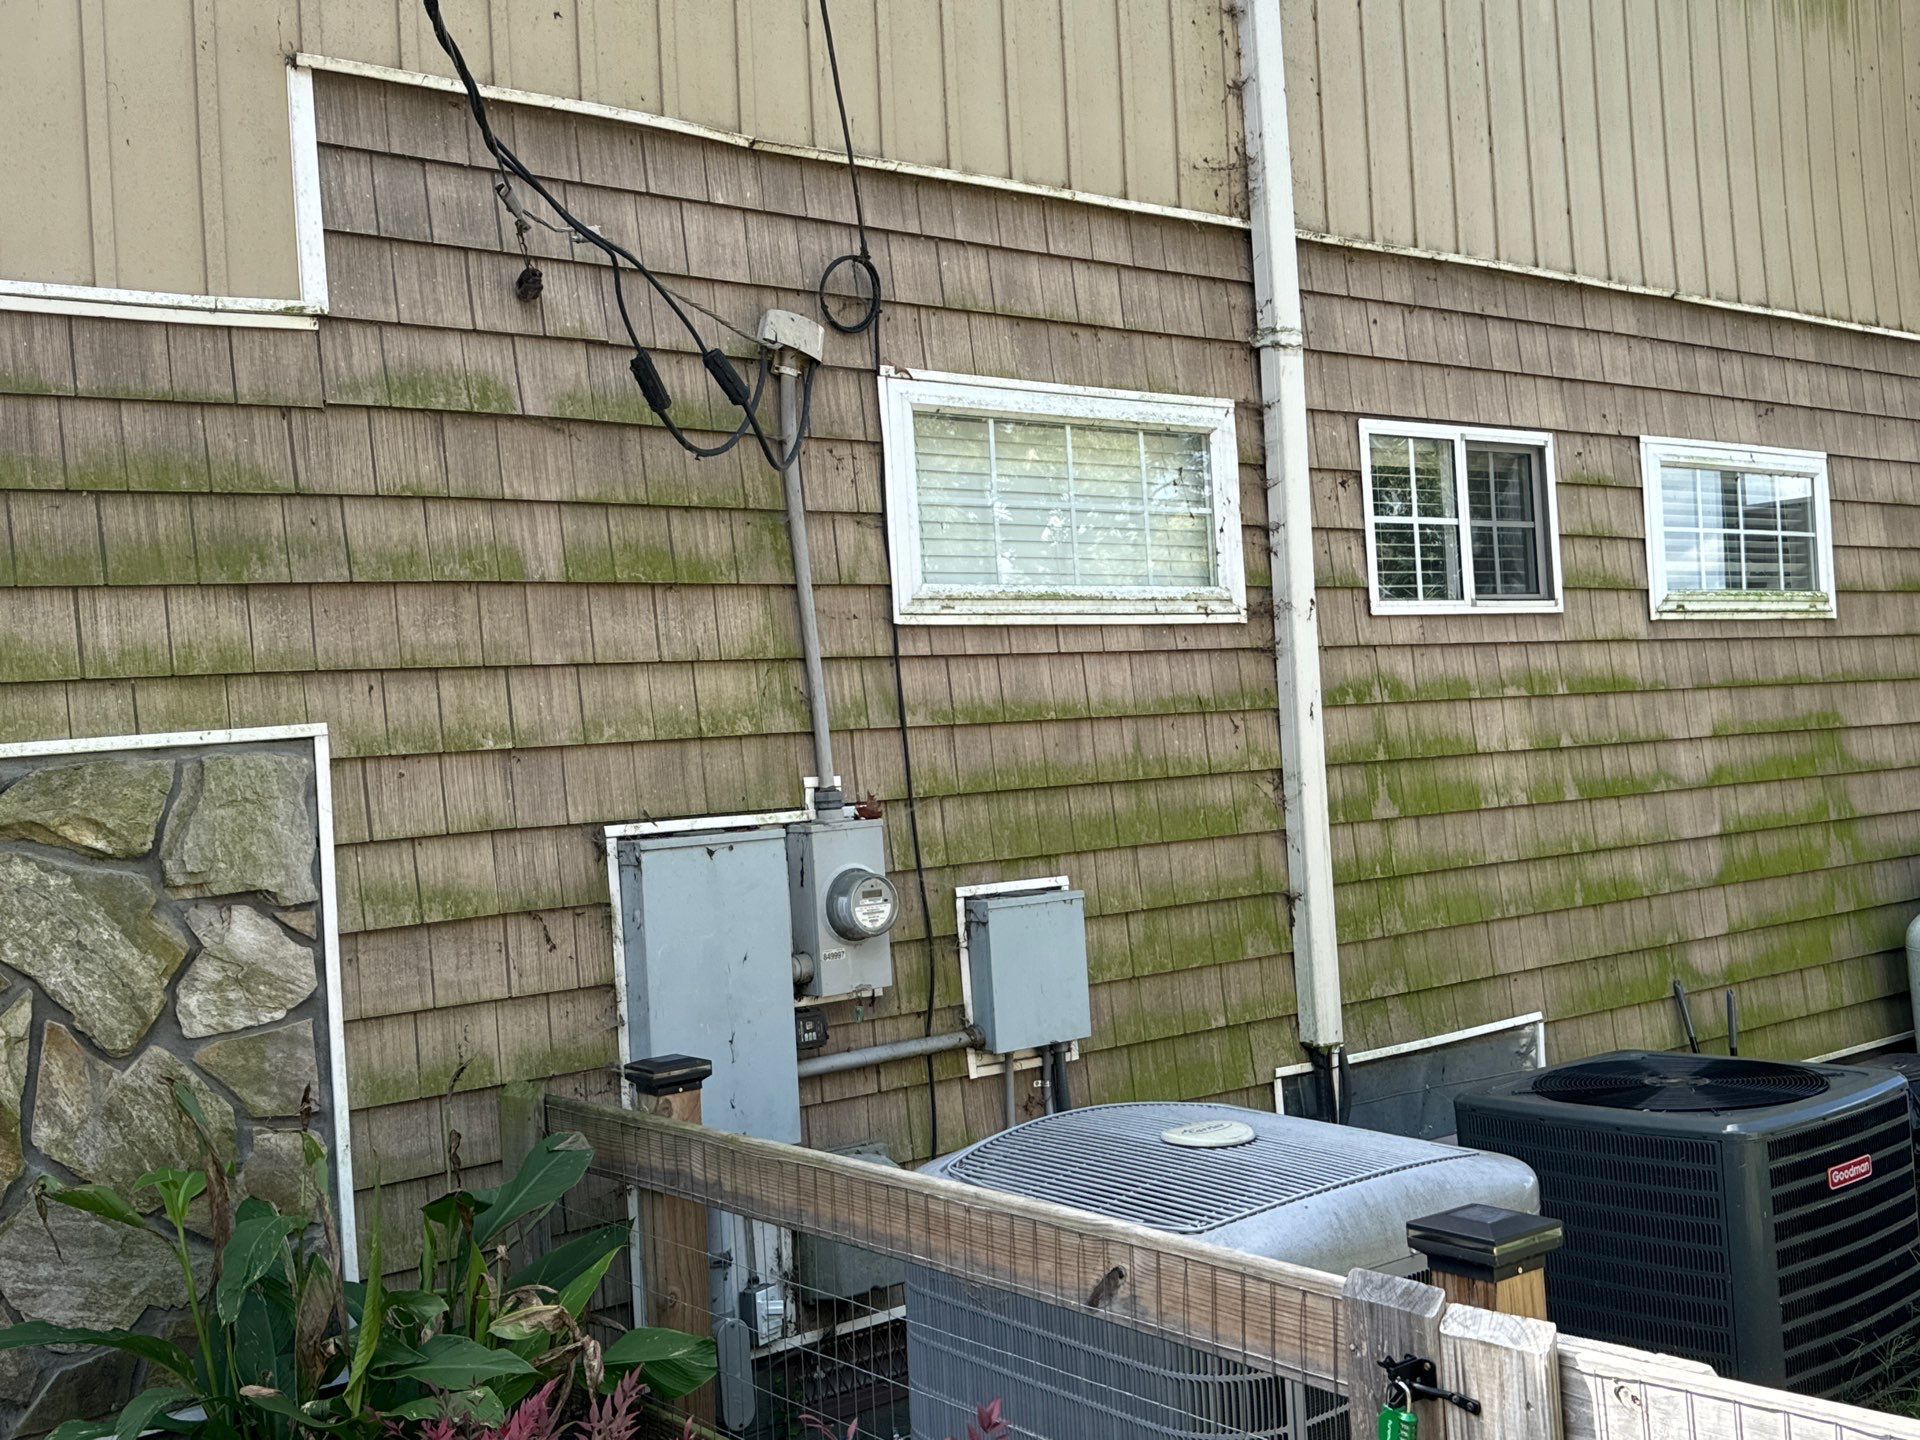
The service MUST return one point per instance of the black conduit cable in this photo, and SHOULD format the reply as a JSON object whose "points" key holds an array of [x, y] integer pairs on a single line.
{"points": [[645, 373], [861, 260], [867, 323]]}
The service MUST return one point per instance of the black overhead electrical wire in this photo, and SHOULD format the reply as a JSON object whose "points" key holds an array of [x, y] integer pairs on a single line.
{"points": [[862, 260], [647, 376], [645, 373], [867, 323]]}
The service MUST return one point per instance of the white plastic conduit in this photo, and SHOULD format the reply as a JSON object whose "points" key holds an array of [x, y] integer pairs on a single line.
{"points": [[1296, 631]]}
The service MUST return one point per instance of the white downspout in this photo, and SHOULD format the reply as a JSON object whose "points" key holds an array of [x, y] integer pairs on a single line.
{"points": [[1296, 627]]}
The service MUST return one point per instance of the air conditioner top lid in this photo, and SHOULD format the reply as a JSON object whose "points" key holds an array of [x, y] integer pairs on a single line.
{"points": [[1326, 1195]]}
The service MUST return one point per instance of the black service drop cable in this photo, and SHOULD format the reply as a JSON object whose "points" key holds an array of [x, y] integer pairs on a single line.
{"points": [[645, 373]]}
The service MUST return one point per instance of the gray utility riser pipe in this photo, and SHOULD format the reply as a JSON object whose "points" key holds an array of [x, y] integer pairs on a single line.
{"points": [[897, 1050], [788, 368]]}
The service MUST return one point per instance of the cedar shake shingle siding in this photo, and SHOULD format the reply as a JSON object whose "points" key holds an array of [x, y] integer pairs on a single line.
{"points": [[446, 526], [443, 526], [1569, 812]]}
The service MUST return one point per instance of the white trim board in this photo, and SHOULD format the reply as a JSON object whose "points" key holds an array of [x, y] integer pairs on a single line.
{"points": [[173, 307], [329, 936], [1864, 1048]]}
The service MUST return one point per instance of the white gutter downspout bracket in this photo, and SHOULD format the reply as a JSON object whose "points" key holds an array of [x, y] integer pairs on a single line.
{"points": [[1279, 339]]}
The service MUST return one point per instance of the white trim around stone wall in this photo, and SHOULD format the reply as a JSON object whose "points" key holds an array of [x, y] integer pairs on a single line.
{"points": [[329, 916]]}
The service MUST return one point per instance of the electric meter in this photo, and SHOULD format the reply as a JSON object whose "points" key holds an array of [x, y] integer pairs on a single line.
{"points": [[843, 906], [861, 904]]}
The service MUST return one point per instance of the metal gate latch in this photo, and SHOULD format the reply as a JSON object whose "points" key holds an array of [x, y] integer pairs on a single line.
{"points": [[1415, 1378]]}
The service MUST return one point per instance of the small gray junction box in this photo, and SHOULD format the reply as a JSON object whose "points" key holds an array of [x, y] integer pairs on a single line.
{"points": [[1027, 968]]}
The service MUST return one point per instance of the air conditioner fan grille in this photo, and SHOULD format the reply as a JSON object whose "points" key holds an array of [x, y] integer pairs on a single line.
{"points": [[1678, 1083]]}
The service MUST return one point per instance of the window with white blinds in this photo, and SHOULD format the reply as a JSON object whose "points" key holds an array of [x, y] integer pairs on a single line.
{"points": [[1736, 530], [1012, 499], [1459, 518]]}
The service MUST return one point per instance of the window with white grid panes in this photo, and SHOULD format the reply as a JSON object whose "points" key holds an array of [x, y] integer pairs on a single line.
{"points": [[1458, 518], [1737, 530], [1011, 500]]}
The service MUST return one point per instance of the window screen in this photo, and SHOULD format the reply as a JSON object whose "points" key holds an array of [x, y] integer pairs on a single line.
{"points": [[1021, 499], [1045, 505], [1437, 494], [1725, 530]]}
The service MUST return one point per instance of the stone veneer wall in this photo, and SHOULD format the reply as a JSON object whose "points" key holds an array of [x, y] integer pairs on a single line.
{"points": [[160, 923]]}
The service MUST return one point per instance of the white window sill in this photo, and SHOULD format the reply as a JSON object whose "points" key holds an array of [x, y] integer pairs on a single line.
{"points": [[1468, 607], [1745, 605], [1015, 609]]}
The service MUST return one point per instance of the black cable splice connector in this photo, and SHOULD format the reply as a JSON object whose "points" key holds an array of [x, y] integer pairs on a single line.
{"points": [[647, 375], [727, 378]]}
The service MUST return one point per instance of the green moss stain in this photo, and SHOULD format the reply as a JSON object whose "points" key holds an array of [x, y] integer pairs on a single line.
{"points": [[433, 390], [1381, 741], [1810, 720], [1797, 757], [14, 382]]}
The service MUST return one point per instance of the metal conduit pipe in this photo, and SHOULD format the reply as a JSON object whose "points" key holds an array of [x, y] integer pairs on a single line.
{"points": [[895, 1050], [827, 797]]}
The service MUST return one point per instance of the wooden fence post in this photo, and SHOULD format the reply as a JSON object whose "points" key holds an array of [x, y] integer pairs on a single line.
{"points": [[675, 1258], [1386, 1317], [1510, 1365], [1486, 1256], [523, 1125]]}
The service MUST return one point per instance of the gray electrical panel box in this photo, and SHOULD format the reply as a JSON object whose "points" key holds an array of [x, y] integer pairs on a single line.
{"points": [[844, 907], [1027, 968], [708, 966]]}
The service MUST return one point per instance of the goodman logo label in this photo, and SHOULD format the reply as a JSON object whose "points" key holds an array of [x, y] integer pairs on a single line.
{"points": [[1851, 1172]]}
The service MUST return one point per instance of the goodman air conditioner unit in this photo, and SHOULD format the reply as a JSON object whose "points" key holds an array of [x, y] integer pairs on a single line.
{"points": [[1756, 1216], [1326, 1196]]}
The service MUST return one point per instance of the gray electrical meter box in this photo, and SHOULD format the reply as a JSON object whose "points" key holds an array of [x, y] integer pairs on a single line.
{"points": [[844, 907], [1027, 968]]}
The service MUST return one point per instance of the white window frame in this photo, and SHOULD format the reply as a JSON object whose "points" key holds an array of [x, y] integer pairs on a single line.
{"points": [[1553, 603], [179, 308], [917, 603], [1657, 451]]}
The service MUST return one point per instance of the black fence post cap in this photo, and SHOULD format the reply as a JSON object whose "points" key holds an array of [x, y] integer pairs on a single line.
{"points": [[668, 1074], [1485, 1242]]}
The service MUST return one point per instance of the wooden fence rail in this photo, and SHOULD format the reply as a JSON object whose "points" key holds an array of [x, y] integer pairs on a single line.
{"points": [[1532, 1382]]}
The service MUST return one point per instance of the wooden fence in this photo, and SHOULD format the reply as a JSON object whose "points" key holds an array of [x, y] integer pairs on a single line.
{"points": [[1297, 1323]]}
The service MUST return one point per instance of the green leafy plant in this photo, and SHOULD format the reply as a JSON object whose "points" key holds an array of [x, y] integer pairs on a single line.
{"points": [[260, 1347], [285, 1348]]}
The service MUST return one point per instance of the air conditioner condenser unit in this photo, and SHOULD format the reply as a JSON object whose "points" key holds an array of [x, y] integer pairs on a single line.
{"points": [[1277, 1186], [1756, 1216]]}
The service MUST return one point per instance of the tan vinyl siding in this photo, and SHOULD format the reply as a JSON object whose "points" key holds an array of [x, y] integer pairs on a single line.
{"points": [[439, 525], [1757, 151], [160, 160], [1569, 813]]}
